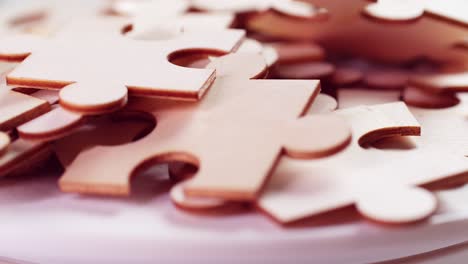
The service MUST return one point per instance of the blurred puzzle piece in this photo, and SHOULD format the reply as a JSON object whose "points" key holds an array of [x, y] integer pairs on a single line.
{"points": [[386, 35]]}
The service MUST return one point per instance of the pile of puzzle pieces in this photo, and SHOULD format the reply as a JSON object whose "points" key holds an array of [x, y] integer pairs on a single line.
{"points": [[294, 108]]}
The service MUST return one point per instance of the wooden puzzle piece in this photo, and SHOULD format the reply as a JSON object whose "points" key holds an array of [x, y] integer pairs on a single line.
{"points": [[387, 79], [215, 133], [47, 16], [269, 53], [347, 31], [16, 17], [443, 82], [296, 9], [52, 125], [353, 97], [23, 154], [305, 70], [345, 76], [160, 8], [158, 19], [4, 142], [118, 128], [17, 108], [100, 84], [298, 52], [381, 183], [444, 130], [417, 97], [180, 172]]}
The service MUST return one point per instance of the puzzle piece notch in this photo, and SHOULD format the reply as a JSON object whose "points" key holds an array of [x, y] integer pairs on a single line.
{"points": [[196, 132], [102, 87]]}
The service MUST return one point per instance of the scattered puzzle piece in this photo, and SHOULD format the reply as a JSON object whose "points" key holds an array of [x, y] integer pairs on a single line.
{"points": [[417, 97], [21, 155], [119, 128], [444, 82], [52, 125], [322, 104], [215, 133], [374, 179], [444, 129], [102, 85], [4, 142], [346, 31], [296, 9]]}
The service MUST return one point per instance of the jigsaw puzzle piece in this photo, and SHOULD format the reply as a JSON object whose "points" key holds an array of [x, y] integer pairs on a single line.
{"points": [[102, 85], [119, 128], [443, 82], [215, 133], [414, 96], [52, 125], [23, 154], [4, 142], [17, 108], [180, 172], [353, 97], [152, 20], [347, 31], [445, 129], [358, 175], [296, 9]]}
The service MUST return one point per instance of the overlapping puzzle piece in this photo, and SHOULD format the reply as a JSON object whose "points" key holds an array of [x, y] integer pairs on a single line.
{"points": [[215, 135], [83, 61], [381, 183], [391, 34]]}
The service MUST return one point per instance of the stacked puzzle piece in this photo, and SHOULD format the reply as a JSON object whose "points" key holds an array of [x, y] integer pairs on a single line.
{"points": [[299, 108]]}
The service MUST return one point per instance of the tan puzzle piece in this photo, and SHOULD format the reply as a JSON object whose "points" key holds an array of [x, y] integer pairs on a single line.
{"points": [[215, 134], [353, 97], [346, 30], [105, 131], [52, 125], [153, 20], [81, 62], [22, 154], [443, 129], [414, 96], [443, 82], [4, 142], [378, 182], [296, 9], [322, 104], [17, 108]]}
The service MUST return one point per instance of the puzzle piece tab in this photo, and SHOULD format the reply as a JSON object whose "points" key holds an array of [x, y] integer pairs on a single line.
{"points": [[216, 135]]}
